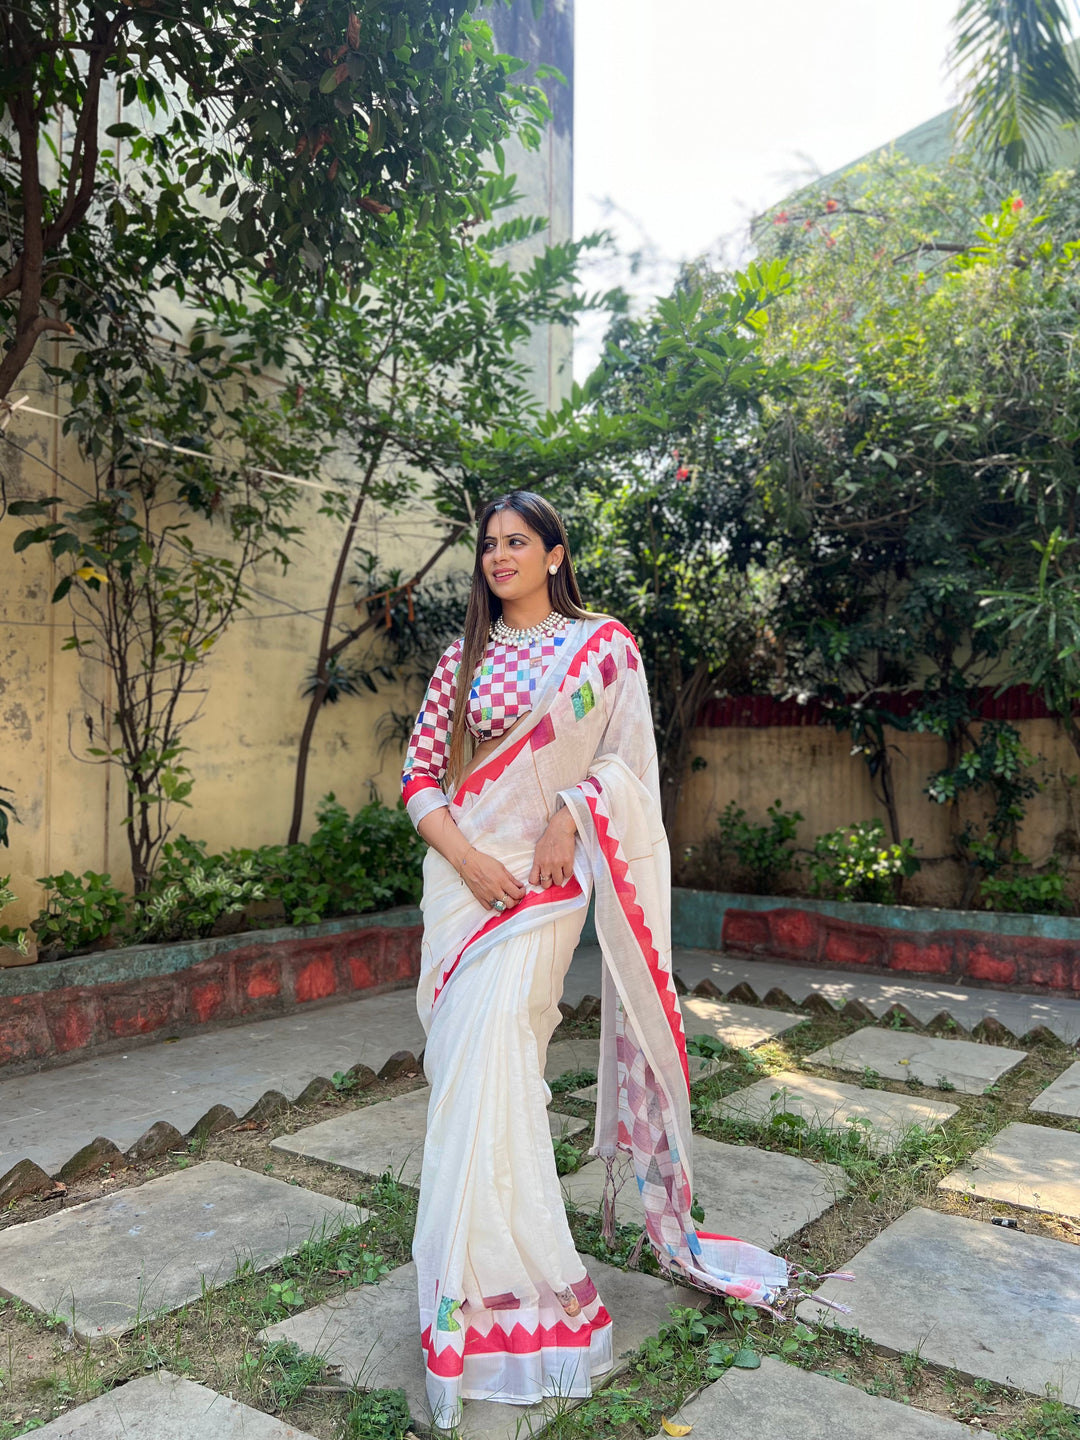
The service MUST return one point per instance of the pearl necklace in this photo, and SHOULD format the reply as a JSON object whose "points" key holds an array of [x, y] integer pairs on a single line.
{"points": [[503, 635]]}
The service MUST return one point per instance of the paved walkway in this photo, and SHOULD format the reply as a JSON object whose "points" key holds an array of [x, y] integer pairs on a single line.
{"points": [[47, 1116], [955, 1289]]}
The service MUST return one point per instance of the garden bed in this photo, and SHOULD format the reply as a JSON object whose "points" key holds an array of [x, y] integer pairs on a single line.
{"points": [[52, 1014], [1029, 952]]}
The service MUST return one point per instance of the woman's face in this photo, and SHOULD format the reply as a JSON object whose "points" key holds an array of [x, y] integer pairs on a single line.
{"points": [[514, 560]]}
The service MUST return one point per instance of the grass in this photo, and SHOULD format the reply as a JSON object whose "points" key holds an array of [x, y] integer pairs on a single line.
{"points": [[44, 1372]]}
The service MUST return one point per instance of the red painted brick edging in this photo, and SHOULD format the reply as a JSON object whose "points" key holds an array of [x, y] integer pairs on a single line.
{"points": [[810, 938], [263, 978]]}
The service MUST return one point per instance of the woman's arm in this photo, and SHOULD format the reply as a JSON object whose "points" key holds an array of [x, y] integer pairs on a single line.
{"points": [[486, 877]]}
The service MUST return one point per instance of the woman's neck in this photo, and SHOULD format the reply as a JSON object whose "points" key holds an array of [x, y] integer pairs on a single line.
{"points": [[523, 614]]}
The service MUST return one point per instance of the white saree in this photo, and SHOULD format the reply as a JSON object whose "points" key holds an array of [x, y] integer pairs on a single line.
{"points": [[498, 1273]]}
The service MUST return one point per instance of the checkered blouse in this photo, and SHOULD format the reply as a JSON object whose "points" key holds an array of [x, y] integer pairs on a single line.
{"points": [[501, 692]]}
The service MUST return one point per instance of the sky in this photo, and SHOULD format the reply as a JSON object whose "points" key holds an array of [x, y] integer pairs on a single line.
{"points": [[690, 116]]}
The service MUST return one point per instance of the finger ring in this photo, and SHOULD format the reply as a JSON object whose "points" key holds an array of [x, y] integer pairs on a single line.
{"points": [[545, 877], [498, 904]]}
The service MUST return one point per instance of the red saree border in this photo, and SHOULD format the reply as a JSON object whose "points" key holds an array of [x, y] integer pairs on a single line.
{"points": [[570, 891], [449, 1362], [474, 783], [635, 918]]}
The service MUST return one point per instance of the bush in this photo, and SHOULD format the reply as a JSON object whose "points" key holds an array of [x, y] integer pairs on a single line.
{"points": [[191, 891], [10, 939], [378, 1415], [855, 863], [1036, 892], [764, 850], [82, 911], [351, 864]]}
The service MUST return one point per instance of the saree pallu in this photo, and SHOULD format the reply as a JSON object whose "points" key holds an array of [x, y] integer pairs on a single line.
{"points": [[507, 1309]]}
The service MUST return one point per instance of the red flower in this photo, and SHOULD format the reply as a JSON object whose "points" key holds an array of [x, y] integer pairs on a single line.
{"points": [[782, 218], [808, 225], [682, 473], [831, 205], [1017, 205], [830, 240]]}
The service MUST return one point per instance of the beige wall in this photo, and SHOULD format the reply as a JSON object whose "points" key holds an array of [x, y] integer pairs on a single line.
{"points": [[243, 746], [812, 770]]}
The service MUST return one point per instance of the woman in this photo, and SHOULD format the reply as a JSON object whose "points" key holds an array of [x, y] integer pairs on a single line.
{"points": [[558, 797]]}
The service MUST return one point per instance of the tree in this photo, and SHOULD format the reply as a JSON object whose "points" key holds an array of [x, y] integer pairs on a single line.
{"points": [[656, 496], [303, 128], [1018, 81], [149, 599], [421, 386], [924, 459]]}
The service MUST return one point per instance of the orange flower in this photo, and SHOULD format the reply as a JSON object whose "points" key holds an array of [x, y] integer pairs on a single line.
{"points": [[1017, 205], [831, 205]]}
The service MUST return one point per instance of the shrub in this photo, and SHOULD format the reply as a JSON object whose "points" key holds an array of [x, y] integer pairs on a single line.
{"points": [[10, 939], [1036, 892], [191, 891], [764, 850], [82, 910], [855, 863], [367, 861], [378, 1415]]}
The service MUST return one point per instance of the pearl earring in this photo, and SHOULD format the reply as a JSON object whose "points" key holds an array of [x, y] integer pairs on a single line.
{"points": [[553, 569]]}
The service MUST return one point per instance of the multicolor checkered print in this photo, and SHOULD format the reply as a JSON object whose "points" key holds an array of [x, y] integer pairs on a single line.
{"points": [[501, 692]]}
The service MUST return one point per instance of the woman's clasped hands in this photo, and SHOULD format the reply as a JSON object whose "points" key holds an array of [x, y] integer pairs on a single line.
{"points": [[553, 864]]}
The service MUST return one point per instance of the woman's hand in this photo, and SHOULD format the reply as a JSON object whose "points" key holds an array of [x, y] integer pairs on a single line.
{"points": [[553, 860], [489, 880]]}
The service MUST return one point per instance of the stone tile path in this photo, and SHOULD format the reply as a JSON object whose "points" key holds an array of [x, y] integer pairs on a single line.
{"points": [[740, 1026], [564, 1056], [1033, 1166], [963, 1065], [1063, 1096], [372, 1334], [989, 1302], [923, 995], [385, 1136], [883, 1117], [165, 1407], [46, 1117], [107, 1264], [759, 1195], [780, 1402]]}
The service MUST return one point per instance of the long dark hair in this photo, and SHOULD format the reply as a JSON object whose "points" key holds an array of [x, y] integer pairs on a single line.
{"points": [[485, 607]]}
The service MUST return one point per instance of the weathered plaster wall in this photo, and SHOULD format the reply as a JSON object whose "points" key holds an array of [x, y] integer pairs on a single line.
{"points": [[811, 769]]}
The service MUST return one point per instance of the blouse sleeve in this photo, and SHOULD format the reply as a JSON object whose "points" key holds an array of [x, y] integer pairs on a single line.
{"points": [[429, 748]]}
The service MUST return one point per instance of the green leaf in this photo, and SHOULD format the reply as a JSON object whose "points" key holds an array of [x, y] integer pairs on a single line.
{"points": [[746, 1359]]}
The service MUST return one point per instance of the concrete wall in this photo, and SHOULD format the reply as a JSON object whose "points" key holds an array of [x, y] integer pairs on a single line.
{"points": [[811, 769]]}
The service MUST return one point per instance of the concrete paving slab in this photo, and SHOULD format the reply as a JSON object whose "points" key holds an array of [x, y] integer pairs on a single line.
{"points": [[109, 1263], [782, 1402], [121, 1095], [564, 1056], [964, 1065], [373, 1333], [1033, 1166], [388, 1135], [925, 996], [882, 1117], [1062, 1097], [166, 1407], [992, 1303], [759, 1195], [740, 1026]]}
